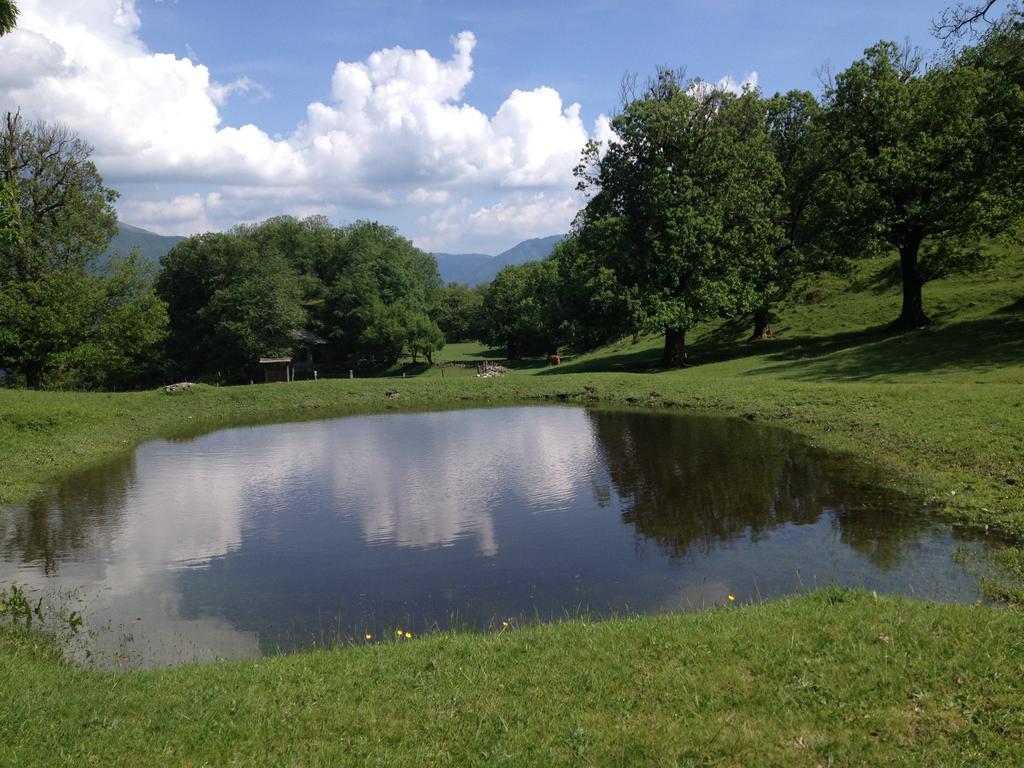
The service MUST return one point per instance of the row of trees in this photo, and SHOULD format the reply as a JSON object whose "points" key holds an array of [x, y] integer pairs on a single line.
{"points": [[709, 204]]}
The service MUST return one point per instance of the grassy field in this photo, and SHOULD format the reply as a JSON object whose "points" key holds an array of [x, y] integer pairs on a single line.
{"points": [[834, 676]]}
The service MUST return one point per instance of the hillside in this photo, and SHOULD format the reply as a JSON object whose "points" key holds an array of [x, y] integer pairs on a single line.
{"points": [[461, 267], [151, 246], [477, 268]]}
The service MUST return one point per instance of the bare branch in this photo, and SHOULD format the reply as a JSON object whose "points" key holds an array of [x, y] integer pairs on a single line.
{"points": [[627, 90], [826, 77], [961, 20]]}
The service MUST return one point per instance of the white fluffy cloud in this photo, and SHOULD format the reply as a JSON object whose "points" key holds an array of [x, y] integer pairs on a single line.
{"points": [[516, 216], [398, 118], [395, 133], [727, 83]]}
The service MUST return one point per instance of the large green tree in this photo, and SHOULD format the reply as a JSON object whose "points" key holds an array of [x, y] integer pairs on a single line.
{"points": [[685, 200], [924, 163], [244, 294], [229, 304], [521, 311], [457, 312], [124, 330], [596, 307], [56, 217], [381, 295], [795, 136], [306, 244]]}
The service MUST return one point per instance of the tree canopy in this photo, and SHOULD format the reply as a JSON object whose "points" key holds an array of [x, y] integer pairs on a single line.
{"points": [[522, 312], [60, 325], [238, 296], [8, 16], [685, 204], [923, 157], [229, 304]]}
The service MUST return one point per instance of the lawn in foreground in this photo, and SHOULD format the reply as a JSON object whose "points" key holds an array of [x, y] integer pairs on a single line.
{"points": [[836, 677]]}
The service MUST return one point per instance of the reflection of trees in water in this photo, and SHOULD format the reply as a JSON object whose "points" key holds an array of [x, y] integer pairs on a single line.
{"points": [[685, 482], [692, 481], [68, 518], [878, 530]]}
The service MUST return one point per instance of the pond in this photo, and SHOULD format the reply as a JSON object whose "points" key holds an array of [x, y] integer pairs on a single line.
{"points": [[261, 539]]}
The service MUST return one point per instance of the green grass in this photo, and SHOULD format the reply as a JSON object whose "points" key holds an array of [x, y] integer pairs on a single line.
{"points": [[833, 678], [835, 675], [468, 351]]}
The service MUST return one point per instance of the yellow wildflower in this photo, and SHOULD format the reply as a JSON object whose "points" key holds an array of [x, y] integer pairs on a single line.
{"points": [[732, 598], [369, 636], [408, 635]]}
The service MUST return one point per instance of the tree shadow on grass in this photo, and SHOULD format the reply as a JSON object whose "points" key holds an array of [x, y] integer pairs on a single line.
{"points": [[1015, 308], [883, 280], [719, 348], [795, 348], [644, 360], [973, 345]]}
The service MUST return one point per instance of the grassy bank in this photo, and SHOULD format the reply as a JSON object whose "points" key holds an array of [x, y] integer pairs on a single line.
{"points": [[834, 675], [833, 678]]}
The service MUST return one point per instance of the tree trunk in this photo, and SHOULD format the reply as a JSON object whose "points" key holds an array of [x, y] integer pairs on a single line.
{"points": [[912, 315], [674, 355], [33, 374], [762, 323]]}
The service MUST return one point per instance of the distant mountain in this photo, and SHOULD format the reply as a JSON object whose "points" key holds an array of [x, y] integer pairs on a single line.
{"points": [[469, 268], [461, 267], [476, 268], [151, 245]]}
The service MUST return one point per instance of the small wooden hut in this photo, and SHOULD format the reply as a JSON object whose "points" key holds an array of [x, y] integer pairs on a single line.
{"points": [[276, 369]]}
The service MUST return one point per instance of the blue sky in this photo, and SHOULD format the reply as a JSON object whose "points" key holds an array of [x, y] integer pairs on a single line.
{"points": [[204, 114], [579, 48]]}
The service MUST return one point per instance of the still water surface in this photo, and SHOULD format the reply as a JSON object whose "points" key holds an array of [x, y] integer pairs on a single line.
{"points": [[252, 540]]}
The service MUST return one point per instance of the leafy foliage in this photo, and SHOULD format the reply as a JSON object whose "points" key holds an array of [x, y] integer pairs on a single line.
{"points": [[685, 204], [238, 296], [458, 310], [229, 304], [924, 162], [380, 294], [61, 326], [8, 16], [595, 306], [522, 310]]}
